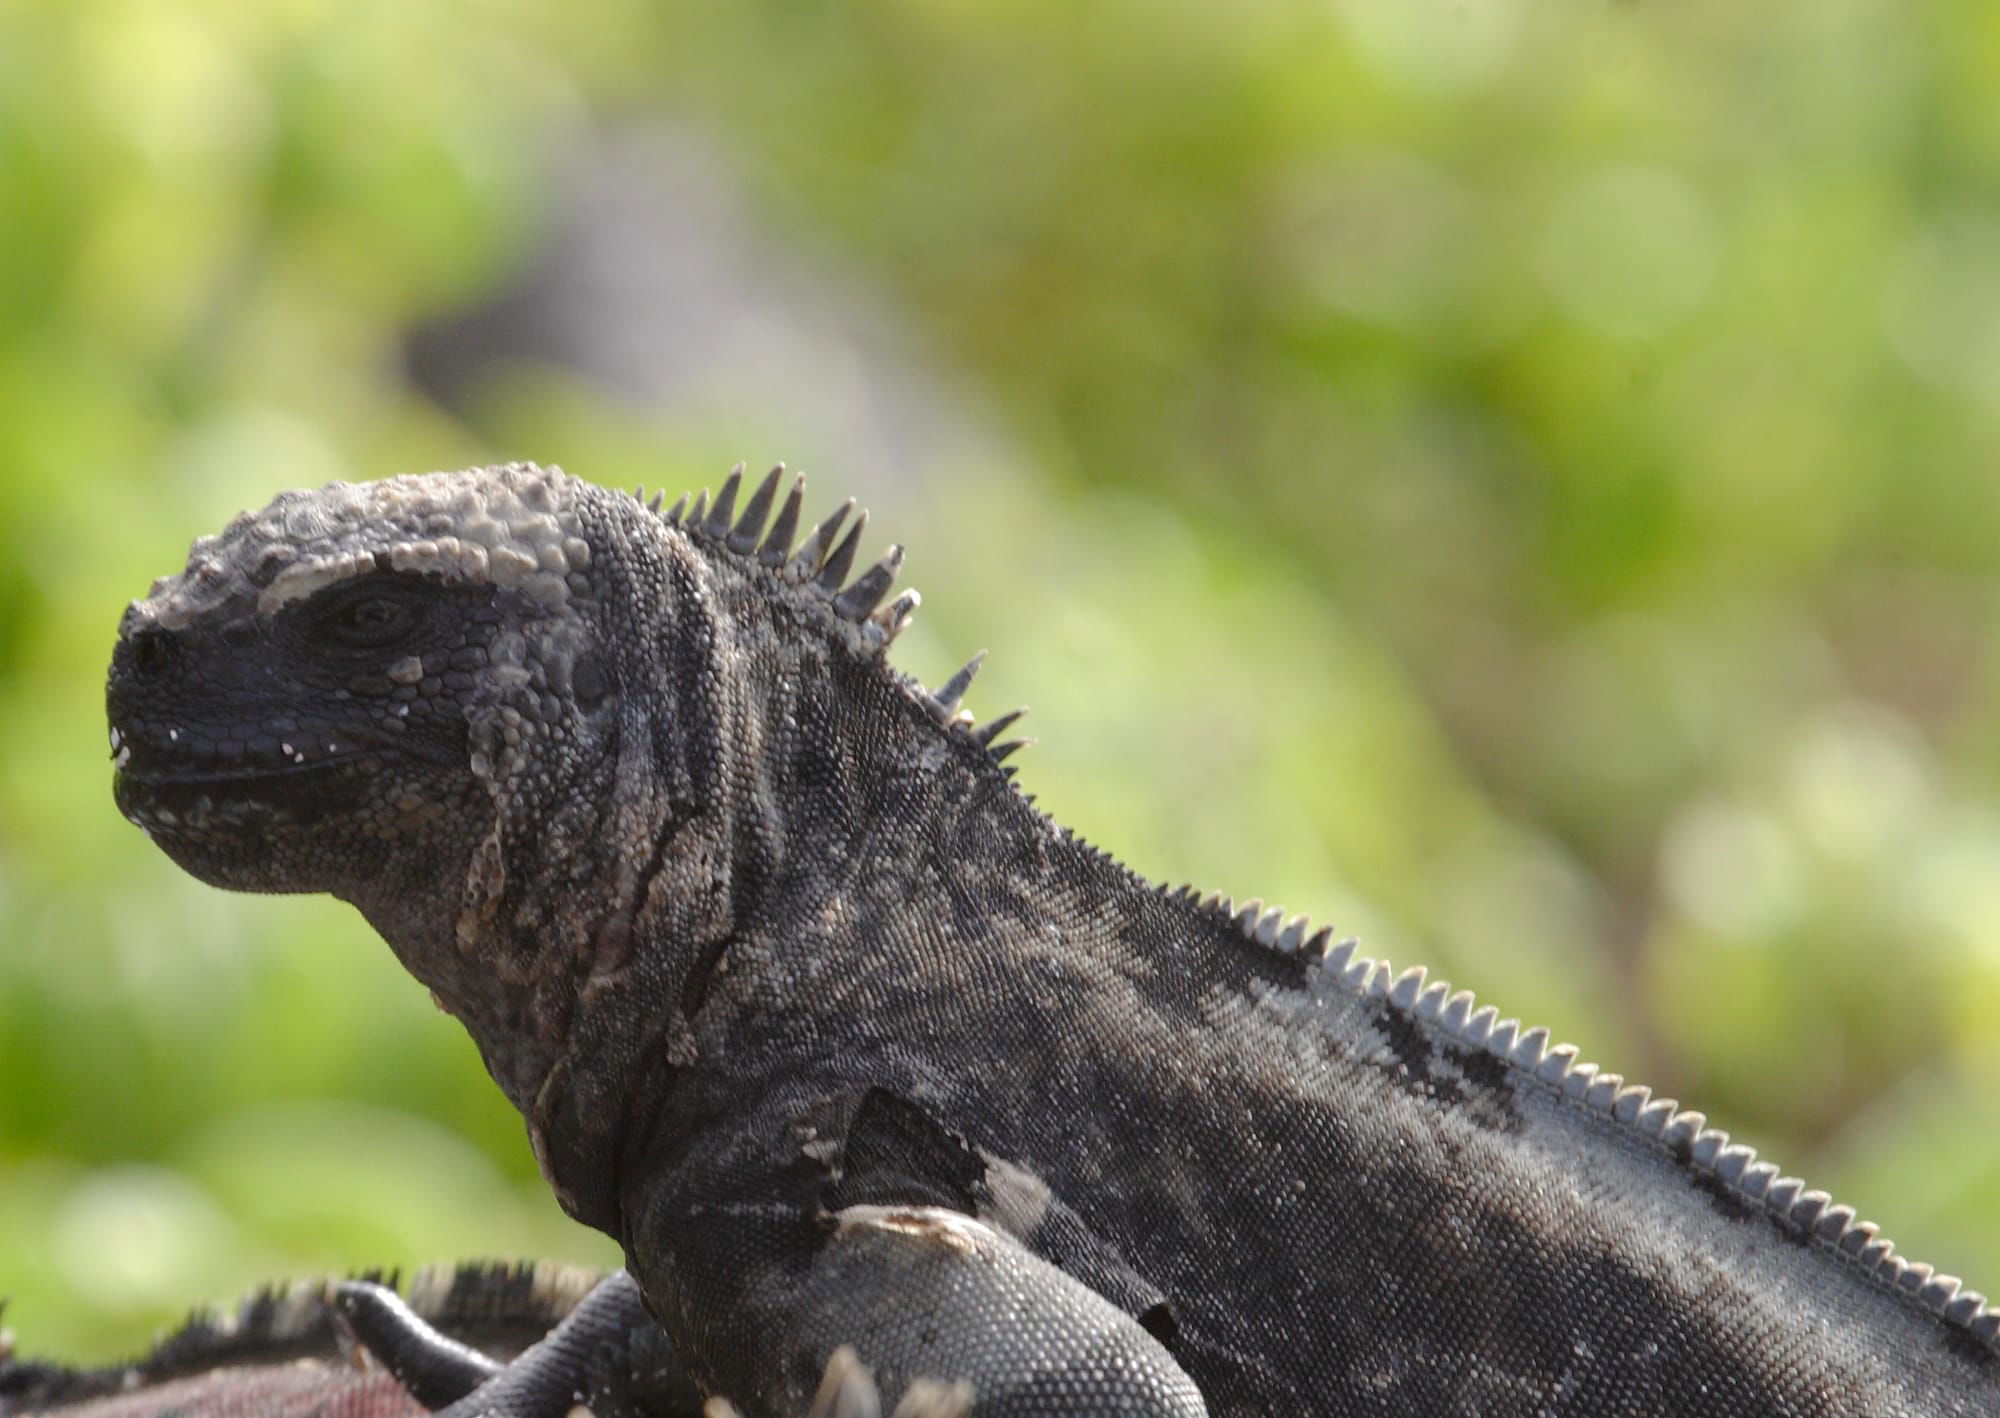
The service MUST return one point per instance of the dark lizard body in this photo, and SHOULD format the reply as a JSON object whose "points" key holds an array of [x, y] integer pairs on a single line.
{"points": [[846, 1043]]}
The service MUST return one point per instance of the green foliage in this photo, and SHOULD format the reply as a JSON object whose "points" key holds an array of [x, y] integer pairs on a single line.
{"points": [[1504, 477]]}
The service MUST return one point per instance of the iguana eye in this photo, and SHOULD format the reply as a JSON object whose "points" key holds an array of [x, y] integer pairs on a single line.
{"points": [[370, 622]]}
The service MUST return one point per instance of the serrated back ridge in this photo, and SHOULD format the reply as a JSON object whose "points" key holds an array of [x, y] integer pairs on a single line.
{"points": [[1335, 966]]}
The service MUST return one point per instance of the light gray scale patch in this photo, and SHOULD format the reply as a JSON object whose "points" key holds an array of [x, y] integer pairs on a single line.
{"points": [[505, 527]]}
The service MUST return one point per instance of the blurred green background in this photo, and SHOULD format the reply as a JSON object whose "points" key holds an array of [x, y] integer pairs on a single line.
{"points": [[1515, 478]]}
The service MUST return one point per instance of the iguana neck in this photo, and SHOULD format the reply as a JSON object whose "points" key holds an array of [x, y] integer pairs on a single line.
{"points": [[735, 802]]}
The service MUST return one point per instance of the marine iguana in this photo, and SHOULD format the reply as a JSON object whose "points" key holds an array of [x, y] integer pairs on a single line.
{"points": [[846, 1043]]}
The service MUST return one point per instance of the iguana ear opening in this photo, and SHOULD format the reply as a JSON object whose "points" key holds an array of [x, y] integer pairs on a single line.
{"points": [[590, 681]]}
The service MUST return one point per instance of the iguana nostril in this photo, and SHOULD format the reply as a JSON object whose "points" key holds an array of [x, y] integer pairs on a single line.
{"points": [[151, 651]]}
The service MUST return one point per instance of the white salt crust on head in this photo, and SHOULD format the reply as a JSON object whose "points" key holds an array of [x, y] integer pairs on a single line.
{"points": [[513, 526]]}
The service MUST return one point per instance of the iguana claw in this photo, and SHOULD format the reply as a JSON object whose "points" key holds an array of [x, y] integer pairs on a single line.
{"points": [[432, 1367], [550, 1379]]}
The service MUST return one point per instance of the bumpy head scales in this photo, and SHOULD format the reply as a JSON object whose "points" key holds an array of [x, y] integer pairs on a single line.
{"points": [[514, 526], [354, 668]]}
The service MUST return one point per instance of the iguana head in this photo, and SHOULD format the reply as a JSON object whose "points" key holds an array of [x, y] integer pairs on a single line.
{"points": [[525, 723], [360, 672], [339, 682]]}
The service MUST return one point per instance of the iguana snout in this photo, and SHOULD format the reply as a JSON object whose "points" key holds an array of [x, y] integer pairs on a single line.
{"points": [[265, 750]]}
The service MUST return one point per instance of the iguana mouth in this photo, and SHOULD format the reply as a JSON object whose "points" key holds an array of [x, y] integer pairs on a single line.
{"points": [[158, 790], [167, 758], [241, 777]]}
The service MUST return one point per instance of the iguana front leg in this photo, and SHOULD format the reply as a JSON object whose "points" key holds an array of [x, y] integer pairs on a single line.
{"points": [[925, 1292], [551, 1379], [762, 1286]]}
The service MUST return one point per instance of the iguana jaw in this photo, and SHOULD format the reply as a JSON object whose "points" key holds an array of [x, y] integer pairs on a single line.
{"points": [[219, 826]]}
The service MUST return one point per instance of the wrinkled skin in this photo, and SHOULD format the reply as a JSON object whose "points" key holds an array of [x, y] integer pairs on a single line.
{"points": [[845, 1043]]}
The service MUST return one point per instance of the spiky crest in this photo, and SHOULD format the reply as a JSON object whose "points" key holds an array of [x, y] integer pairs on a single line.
{"points": [[821, 565]]}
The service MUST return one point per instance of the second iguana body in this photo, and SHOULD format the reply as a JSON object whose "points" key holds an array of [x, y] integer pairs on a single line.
{"points": [[287, 1352], [567, 1340], [846, 1043]]}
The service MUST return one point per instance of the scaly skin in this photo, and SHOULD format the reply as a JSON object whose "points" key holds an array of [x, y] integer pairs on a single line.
{"points": [[845, 1043]]}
